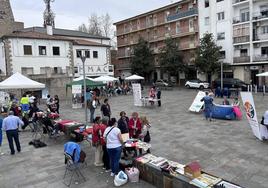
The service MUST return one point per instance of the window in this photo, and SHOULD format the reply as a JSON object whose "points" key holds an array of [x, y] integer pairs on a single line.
{"points": [[264, 51], [75, 70], [27, 50], [56, 50], [42, 50], [218, 1], [221, 36], [206, 3], [244, 15], [206, 20], [244, 52], [222, 54], [95, 54], [79, 53], [167, 14], [220, 15], [26, 70], [178, 25], [264, 29], [57, 70], [138, 24]]}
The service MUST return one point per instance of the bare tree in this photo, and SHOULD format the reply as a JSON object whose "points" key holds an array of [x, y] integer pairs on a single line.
{"points": [[107, 25], [99, 25]]}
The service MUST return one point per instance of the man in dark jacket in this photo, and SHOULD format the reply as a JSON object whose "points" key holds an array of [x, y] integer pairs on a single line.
{"points": [[122, 123]]}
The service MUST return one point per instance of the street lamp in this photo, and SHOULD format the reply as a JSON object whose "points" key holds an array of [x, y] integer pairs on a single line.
{"points": [[83, 57]]}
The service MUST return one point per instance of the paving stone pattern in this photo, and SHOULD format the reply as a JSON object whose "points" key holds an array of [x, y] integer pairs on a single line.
{"points": [[224, 148]]}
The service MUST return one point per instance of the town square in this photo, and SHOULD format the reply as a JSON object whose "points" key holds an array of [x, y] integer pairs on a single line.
{"points": [[155, 93]]}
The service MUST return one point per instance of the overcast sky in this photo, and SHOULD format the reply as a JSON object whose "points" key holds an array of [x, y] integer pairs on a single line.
{"points": [[72, 13]]}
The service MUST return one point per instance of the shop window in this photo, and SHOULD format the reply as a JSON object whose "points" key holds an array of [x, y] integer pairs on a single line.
{"points": [[56, 50], [27, 50], [42, 50]]}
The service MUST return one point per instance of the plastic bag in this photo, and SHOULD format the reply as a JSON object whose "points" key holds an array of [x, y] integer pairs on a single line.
{"points": [[133, 174], [120, 179]]}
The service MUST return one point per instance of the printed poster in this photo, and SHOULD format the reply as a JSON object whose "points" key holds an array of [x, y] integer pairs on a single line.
{"points": [[77, 96], [137, 94], [259, 130], [197, 104]]}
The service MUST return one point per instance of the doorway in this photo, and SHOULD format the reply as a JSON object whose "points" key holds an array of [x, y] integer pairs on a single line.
{"points": [[254, 78]]}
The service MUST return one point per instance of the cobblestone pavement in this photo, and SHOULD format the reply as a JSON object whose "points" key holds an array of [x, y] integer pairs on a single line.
{"points": [[224, 148]]}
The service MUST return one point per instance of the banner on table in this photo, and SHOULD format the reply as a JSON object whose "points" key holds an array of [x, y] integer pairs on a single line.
{"points": [[77, 96], [197, 104], [137, 94], [258, 130]]}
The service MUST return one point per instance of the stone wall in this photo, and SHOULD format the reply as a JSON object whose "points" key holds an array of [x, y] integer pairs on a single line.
{"points": [[7, 23]]}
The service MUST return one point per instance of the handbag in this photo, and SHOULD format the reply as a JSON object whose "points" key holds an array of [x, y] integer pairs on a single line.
{"points": [[147, 137]]}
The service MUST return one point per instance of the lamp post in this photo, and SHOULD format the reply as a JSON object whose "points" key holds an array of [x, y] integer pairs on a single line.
{"points": [[83, 59], [221, 75]]}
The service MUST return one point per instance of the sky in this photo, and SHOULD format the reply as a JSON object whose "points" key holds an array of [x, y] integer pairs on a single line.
{"points": [[72, 13]]}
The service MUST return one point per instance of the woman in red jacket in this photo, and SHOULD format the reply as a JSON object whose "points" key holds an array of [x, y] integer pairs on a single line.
{"points": [[96, 140], [134, 126]]}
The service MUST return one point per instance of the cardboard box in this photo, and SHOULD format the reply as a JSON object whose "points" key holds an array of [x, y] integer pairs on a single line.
{"points": [[192, 170]]}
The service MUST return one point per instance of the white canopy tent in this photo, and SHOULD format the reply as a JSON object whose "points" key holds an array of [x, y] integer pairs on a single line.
{"points": [[262, 74], [18, 81], [134, 77], [105, 79], [81, 78]]}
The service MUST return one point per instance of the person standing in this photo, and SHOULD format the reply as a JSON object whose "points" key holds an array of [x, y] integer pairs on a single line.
{"points": [[1, 138], [208, 101], [158, 96], [106, 109], [92, 105], [114, 145], [105, 157], [96, 140], [145, 134], [10, 125], [57, 103], [134, 126], [122, 123]]}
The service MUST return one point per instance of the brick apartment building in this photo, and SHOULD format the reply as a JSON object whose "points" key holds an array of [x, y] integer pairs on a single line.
{"points": [[177, 20]]}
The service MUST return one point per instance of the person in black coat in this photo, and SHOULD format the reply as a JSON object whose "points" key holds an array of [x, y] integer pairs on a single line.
{"points": [[158, 96], [122, 123]]}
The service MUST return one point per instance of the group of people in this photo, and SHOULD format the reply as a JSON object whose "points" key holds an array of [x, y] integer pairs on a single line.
{"points": [[155, 93], [107, 138]]}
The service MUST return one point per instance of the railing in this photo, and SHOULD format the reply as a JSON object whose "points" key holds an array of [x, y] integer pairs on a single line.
{"points": [[122, 65], [240, 19], [243, 59], [241, 39], [182, 14], [260, 15], [238, 1], [259, 37], [185, 30], [260, 58]]}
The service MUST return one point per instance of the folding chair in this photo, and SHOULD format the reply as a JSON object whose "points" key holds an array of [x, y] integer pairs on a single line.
{"points": [[73, 167]]}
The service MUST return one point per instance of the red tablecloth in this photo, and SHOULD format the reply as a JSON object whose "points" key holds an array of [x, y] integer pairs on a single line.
{"points": [[63, 123]]}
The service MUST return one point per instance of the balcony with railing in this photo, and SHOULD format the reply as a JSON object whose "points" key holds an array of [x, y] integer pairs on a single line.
{"points": [[183, 31], [240, 19], [260, 58], [241, 39], [182, 14], [260, 37], [125, 65], [239, 1], [263, 14], [242, 59]]}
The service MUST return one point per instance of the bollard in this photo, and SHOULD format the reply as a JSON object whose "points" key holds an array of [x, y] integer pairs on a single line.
{"points": [[256, 89], [251, 88], [248, 88], [263, 88]]}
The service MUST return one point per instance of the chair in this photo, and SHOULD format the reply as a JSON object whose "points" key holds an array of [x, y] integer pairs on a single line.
{"points": [[73, 167]]}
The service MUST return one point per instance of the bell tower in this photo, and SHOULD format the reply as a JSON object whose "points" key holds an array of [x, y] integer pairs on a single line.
{"points": [[7, 22]]}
